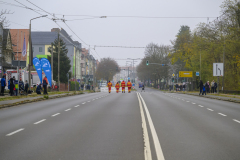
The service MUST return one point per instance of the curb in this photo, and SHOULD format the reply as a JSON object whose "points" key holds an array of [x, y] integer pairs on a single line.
{"points": [[36, 100]]}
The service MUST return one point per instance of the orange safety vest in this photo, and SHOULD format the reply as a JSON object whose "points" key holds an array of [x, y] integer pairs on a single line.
{"points": [[117, 85], [123, 84], [109, 85], [129, 84]]}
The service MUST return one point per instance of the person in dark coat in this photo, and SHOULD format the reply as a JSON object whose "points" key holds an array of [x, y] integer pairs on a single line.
{"points": [[39, 89], [201, 86], [215, 87], [3, 85], [26, 87], [11, 86]]}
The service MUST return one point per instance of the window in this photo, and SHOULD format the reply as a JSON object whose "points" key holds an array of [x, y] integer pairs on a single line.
{"points": [[40, 49]]}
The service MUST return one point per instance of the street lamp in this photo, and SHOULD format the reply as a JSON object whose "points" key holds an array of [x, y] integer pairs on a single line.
{"points": [[30, 52]]}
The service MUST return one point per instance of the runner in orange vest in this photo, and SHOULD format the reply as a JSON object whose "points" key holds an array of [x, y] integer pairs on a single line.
{"points": [[129, 85], [109, 86], [123, 86], [117, 87]]}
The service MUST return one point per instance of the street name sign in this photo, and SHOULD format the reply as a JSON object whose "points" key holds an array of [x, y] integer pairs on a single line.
{"points": [[185, 73], [217, 69]]}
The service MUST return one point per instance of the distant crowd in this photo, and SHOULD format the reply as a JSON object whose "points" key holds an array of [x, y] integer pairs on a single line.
{"points": [[207, 87]]}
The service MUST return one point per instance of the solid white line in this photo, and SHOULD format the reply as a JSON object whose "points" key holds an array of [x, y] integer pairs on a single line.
{"points": [[68, 109], [15, 132], [157, 145], [40, 121], [76, 106], [55, 114], [193, 103], [236, 120], [222, 114], [147, 148], [209, 109]]}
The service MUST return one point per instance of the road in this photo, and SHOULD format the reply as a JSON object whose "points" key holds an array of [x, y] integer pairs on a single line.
{"points": [[137, 125]]}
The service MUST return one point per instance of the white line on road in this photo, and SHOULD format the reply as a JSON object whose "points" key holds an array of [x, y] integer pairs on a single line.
{"points": [[200, 106], [209, 109], [193, 103], [83, 102], [236, 120], [15, 132], [88, 101], [68, 109], [40, 121], [157, 145], [222, 114], [55, 114], [76, 106]]}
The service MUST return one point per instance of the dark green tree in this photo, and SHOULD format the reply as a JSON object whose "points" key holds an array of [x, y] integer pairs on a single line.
{"points": [[65, 63]]}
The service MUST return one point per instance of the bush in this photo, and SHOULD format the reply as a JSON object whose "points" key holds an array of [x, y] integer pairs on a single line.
{"points": [[72, 86]]}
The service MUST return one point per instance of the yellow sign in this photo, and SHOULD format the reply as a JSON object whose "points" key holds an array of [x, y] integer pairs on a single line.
{"points": [[185, 73]]}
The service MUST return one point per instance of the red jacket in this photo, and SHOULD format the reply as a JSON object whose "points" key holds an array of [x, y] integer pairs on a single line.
{"points": [[123, 84]]}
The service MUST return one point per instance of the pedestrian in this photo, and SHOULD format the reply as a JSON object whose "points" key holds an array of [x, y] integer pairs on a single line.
{"points": [[183, 86], [212, 86], [3, 85], [117, 86], [15, 81], [123, 86], [109, 86], [129, 85], [26, 87], [92, 87], [204, 89], [207, 85], [82, 86], [39, 89], [201, 86], [11, 86], [215, 87], [45, 83]]}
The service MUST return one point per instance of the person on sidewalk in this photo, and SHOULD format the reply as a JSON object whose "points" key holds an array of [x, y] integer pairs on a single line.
{"points": [[15, 85], [21, 86], [3, 84], [212, 87], [204, 90], [207, 85], [26, 87], [39, 89], [200, 86], [215, 87], [11, 86], [45, 83]]}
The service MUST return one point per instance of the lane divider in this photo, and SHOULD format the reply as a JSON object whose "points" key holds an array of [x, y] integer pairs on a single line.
{"points": [[222, 114], [236, 120], [55, 114], [12, 133], [40, 121], [68, 109], [76, 106]]}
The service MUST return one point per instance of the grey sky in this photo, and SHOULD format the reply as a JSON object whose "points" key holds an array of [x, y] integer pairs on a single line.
{"points": [[113, 31]]}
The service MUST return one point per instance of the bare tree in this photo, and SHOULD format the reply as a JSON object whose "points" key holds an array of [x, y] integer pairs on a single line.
{"points": [[3, 18]]}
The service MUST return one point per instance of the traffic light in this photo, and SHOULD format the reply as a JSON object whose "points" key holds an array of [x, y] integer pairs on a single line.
{"points": [[172, 79], [147, 62], [88, 79]]}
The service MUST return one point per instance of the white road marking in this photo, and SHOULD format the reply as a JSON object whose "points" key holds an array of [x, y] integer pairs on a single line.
{"points": [[157, 145], [147, 148], [76, 106], [209, 109], [193, 103], [55, 114], [222, 114], [40, 121], [83, 102], [200, 106], [68, 109], [236, 120], [15, 132], [187, 101], [88, 101]]}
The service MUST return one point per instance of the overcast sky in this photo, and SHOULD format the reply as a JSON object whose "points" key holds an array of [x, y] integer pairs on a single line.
{"points": [[116, 31]]}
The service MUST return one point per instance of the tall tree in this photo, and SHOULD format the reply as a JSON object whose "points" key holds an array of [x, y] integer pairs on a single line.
{"points": [[65, 63]]}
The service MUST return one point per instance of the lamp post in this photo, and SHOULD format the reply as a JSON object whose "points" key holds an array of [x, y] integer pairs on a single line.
{"points": [[30, 63], [133, 67]]}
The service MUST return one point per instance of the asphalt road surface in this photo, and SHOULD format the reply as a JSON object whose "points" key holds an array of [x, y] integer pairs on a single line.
{"points": [[123, 126]]}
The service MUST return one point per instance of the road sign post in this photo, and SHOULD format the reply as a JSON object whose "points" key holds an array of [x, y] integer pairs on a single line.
{"points": [[218, 69]]}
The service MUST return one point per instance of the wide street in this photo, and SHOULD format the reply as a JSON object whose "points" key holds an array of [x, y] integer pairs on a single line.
{"points": [[130, 126]]}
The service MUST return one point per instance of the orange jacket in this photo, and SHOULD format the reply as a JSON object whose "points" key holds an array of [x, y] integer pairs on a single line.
{"points": [[129, 84], [117, 85], [123, 84], [109, 85], [45, 80]]}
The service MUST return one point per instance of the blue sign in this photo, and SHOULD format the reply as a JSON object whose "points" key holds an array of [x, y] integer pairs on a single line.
{"points": [[197, 73], [46, 66], [128, 78], [38, 67]]}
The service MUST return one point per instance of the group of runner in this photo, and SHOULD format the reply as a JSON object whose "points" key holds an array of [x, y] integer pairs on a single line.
{"points": [[117, 86]]}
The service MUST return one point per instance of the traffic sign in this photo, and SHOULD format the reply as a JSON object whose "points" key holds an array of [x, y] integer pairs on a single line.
{"points": [[173, 74], [197, 73], [217, 69], [185, 73]]}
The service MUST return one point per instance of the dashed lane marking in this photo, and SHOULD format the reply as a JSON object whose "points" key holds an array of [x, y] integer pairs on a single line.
{"points": [[200, 106], [55, 114], [83, 102], [68, 109], [88, 101], [236, 120], [15, 132], [187, 101], [209, 109], [193, 103], [222, 114], [40, 121], [76, 106]]}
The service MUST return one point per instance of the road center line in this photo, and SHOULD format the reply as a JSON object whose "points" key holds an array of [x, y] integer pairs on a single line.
{"points": [[200, 106], [83, 102], [15, 132], [55, 114], [68, 109], [193, 103], [222, 114], [157, 145], [40, 121], [236, 120], [76, 106], [209, 109]]}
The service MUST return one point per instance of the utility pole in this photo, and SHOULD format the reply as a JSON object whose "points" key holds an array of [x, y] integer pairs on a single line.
{"points": [[58, 61], [75, 71], [52, 61]]}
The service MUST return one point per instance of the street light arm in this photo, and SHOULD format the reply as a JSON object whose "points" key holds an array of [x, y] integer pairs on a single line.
{"points": [[38, 17]]}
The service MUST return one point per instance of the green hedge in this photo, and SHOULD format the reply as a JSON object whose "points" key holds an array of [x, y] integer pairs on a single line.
{"points": [[72, 86]]}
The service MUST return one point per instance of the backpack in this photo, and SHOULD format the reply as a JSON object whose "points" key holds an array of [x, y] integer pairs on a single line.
{"points": [[44, 82]]}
